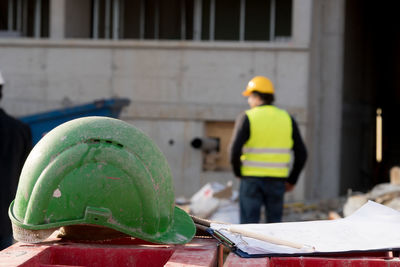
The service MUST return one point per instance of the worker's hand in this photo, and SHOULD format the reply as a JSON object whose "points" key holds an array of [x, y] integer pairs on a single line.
{"points": [[289, 187]]}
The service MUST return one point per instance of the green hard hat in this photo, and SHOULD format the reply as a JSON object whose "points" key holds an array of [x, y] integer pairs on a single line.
{"points": [[98, 171]]}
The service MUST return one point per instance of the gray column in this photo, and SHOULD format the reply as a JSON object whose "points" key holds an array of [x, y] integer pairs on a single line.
{"points": [[19, 16], [242, 19], [115, 22], [38, 17], [212, 20], [57, 19], [301, 21], [325, 99], [107, 18], [95, 19], [10, 23], [272, 13], [197, 14]]}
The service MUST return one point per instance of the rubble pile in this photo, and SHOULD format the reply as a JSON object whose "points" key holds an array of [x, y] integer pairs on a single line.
{"points": [[387, 194], [215, 202]]}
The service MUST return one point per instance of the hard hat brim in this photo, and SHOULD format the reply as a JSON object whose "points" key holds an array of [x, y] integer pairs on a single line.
{"points": [[182, 230], [246, 93]]}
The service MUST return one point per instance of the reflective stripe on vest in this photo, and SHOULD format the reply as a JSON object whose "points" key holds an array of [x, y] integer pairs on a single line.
{"points": [[264, 164], [267, 151]]}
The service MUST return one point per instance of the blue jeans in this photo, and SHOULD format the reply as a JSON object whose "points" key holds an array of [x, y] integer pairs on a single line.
{"points": [[256, 192]]}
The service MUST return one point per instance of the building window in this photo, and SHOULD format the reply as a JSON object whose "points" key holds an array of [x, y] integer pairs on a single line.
{"points": [[283, 19], [246, 20], [257, 14], [142, 19], [208, 20], [227, 19], [24, 18]]}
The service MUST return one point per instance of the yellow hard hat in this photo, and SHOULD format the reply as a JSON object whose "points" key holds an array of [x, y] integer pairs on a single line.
{"points": [[260, 84]]}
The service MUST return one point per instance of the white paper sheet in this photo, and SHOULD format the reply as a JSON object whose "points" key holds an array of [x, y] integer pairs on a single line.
{"points": [[372, 227]]}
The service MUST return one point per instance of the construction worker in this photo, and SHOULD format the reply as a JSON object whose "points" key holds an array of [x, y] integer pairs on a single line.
{"points": [[15, 145], [262, 143]]}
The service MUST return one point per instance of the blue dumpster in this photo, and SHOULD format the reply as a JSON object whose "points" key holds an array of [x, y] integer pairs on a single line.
{"points": [[42, 123]]}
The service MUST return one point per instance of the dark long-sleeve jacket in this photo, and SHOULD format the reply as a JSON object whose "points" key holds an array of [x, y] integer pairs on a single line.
{"points": [[242, 133], [15, 145]]}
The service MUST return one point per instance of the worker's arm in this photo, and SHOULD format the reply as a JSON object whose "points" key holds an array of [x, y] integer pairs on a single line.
{"points": [[241, 134], [300, 156]]}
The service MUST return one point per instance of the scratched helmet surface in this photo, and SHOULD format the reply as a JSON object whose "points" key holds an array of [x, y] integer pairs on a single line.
{"points": [[98, 171]]}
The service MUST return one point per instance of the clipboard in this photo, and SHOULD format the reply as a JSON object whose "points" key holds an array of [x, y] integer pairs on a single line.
{"points": [[371, 229]]}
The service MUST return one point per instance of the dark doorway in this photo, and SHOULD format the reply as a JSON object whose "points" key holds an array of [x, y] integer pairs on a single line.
{"points": [[371, 81]]}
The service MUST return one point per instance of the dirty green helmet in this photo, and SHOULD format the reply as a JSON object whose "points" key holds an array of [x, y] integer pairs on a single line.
{"points": [[98, 171]]}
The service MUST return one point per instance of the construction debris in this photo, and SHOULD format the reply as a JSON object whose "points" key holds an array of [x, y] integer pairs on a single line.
{"points": [[218, 202], [213, 201], [395, 175], [387, 194]]}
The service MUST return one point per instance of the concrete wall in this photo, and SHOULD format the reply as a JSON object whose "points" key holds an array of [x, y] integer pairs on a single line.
{"points": [[174, 87]]}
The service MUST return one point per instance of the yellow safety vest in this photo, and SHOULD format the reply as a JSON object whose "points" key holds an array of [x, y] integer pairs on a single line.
{"points": [[267, 151]]}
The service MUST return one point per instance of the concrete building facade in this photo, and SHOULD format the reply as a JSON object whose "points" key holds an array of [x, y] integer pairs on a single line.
{"points": [[187, 87]]}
